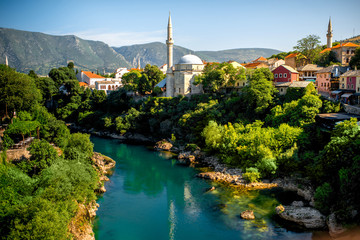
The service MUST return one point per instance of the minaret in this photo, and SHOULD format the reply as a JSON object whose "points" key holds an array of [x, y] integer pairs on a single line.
{"points": [[139, 63], [329, 35], [6, 61], [169, 43], [169, 72]]}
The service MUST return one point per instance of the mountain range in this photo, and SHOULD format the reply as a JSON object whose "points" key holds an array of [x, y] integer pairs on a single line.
{"points": [[42, 52]]}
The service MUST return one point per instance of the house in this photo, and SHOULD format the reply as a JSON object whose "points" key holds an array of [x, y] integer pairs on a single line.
{"points": [[120, 72], [163, 68], [260, 59], [307, 72], [89, 77], [327, 79], [296, 60], [236, 64], [350, 85], [283, 86], [285, 73], [343, 51], [83, 84], [274, 63], [108, 85]]}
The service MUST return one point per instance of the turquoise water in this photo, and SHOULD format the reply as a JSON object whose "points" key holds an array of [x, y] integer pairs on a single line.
{"points": [[150, 196]]}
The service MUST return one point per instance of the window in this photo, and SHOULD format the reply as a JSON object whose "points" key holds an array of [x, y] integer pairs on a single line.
{"points": [[281, 89], [280, 75], [322, 84], [347, 60], [285, 75], [276, 75], [352, 86], [348, 52], [103, 87]]}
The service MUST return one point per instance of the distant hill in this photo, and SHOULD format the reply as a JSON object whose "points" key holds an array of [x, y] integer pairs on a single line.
{"points": [[42, 52], [156, 53], [355, 40]]}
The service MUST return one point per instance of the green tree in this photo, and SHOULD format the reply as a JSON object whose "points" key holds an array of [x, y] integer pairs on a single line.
{"points": [[309, 46], [131, 80], [260, 92], [79, 147], [17, 91], [154, 75], [47, 87], [42, 156], [23, 128], [355, 60], [217, 76]]}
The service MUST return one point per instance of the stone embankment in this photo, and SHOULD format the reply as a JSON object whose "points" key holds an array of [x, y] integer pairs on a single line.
{"points": [[81, 224]]}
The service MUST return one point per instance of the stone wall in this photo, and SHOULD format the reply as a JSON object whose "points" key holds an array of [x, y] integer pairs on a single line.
{"points": [[352, 109]]}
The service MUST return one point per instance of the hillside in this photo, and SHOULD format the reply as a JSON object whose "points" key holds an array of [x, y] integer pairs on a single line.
{"points": [[155, 53], [41, 52]]}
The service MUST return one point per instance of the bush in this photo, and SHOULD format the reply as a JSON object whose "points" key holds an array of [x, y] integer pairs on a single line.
{"points": [[79, 147], [251, 175], [323, 196]]}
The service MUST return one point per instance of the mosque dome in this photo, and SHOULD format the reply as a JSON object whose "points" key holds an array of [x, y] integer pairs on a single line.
{"points": [[190, 59]]}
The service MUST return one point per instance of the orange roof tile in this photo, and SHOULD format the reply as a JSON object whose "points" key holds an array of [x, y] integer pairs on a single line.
{"points": [[260, 59], [325, 50], [348, 44], [83, 84], [252, 65], [292, 55], [91, 75]]}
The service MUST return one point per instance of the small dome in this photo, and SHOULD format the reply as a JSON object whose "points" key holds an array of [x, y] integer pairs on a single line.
{"points": [[190, 59]]}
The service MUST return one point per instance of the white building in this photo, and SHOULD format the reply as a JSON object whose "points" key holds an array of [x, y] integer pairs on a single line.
{"points": [[108, 85], [180, 79], [89, 77], [120, 72]]}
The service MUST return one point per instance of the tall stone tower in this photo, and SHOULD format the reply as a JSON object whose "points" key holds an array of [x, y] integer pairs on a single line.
{"points": [[329, 35], [169, 72], [6, 61]]}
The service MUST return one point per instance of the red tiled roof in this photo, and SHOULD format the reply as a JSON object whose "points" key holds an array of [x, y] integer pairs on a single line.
{"points": [[260, 59], [83, 84], [252, 65], [91, 75], [325, 50], [292, 55], [348, 44]]}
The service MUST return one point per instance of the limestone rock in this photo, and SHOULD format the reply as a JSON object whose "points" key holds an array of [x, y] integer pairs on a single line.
{"points": [[248, 215], [297, 203], [335, 228], [186, 157], [163, 145], [305, 216]]}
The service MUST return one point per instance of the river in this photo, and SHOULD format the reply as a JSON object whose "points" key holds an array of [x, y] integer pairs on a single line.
{"points": [[150, 196]]}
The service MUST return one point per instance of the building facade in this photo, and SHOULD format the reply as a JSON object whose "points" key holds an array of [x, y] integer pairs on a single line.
{"points": [[180, 78], [285, 73], [327, 79]]}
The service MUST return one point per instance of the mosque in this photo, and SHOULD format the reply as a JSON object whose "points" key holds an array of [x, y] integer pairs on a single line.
{"points": [[180, 78]]}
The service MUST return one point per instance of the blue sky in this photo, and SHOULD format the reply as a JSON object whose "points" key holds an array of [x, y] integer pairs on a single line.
{"points": [[197, 24]]}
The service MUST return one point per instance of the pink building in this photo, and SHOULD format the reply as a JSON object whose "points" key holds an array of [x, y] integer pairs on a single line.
{"points": [[285, 73], [327, 79]]}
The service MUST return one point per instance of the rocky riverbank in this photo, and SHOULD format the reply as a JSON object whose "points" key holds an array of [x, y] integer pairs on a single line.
{"points": [[302, 213], [81, 225]]}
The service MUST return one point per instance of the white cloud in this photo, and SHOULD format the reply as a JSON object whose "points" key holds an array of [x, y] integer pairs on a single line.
{"points": [[118, 39]]}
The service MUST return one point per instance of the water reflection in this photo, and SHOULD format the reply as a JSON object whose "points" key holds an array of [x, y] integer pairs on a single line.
{"points": [[165, 200]]}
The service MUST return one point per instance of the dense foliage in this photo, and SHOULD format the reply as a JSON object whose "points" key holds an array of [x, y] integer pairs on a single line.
{"points": [[39, 196], [251, 127]]}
